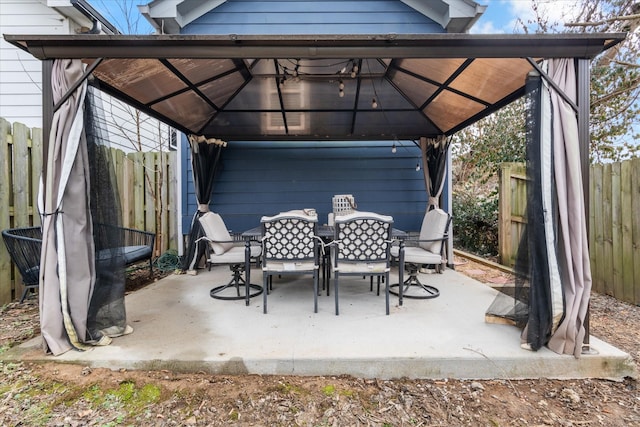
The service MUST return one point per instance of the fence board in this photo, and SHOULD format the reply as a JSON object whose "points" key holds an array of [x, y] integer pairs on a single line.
{"points": [[20, 168], [597, 239], [634, 293], [172, 198], [127, 191], [626, 195], [607, 230], [150, 174], [138, 202], [36, 171], [6, 273], [20, 174], [616, 230]]}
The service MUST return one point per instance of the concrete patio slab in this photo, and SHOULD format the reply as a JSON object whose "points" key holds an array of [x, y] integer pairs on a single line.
{"points": [[177, 326]]}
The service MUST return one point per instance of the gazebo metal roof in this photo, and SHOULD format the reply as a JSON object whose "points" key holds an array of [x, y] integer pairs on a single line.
{"points": [[289, 87]]}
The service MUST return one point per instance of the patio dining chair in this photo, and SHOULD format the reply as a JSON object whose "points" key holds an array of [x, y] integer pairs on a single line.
{"points": [[361, 247], [224, 250], [427, 250], [24, 246], [290, 246]]}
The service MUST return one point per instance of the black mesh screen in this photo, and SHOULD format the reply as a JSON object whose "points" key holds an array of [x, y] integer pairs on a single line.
{"points": [[107, 313], [528, 303]]}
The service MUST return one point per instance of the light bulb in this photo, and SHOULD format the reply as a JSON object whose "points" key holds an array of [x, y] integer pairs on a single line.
{"points": [[393, 148], [353, 74], [341, 93], [417, 167], [374, 104], [341, 85]]}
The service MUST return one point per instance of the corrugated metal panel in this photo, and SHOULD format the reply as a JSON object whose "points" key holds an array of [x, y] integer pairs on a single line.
{"points": [[312, 17], [261, 180]]}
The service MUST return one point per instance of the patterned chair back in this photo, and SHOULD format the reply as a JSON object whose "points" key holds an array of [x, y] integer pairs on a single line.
{"points": [[289, 238], [363, 237]]}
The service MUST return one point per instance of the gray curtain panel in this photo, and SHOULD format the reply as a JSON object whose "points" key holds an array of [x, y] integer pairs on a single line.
{"points": [[572, 240], [67, 262]]}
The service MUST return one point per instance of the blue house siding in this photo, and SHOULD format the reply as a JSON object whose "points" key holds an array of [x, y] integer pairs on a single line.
{"points": [[312, 17], [260, 178], [264, 178]]}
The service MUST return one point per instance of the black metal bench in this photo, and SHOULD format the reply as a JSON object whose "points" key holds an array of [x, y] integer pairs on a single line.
{"points": [[25, 245], [135, 245]]}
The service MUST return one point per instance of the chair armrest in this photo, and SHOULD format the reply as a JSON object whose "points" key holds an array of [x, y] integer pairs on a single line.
{"points": [[415, 240], [133, 237], [216, 241]]}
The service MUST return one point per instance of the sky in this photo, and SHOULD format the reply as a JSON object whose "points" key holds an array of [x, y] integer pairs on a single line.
{"points": [[501, 16]]}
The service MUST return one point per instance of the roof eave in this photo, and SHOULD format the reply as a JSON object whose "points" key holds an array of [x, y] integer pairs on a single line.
{"points": [[317, 46]]}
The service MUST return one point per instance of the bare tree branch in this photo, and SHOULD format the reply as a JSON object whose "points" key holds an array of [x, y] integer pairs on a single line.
{"points": [[605, 21]]}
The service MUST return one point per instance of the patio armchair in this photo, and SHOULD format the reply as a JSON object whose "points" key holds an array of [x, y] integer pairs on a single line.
{"points": [[290, 246], [361, 247], [224, 250], [427, 250], [24, 246]]}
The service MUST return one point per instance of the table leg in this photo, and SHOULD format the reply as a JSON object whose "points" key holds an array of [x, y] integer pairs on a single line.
{"points": [[401, 272], [247, 269]]}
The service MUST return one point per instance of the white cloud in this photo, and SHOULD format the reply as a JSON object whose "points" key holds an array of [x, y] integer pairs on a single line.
{"points": [[486, 28]]}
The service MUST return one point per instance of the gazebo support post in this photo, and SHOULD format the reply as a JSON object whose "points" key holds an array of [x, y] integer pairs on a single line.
{"points": [[584, 136], [47, 108]]}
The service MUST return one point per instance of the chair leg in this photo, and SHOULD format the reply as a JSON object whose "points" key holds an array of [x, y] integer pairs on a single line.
{"points": [[335, 290], [315, 291], [265, 284], [24, 294], [386, 292], [328, 279]]}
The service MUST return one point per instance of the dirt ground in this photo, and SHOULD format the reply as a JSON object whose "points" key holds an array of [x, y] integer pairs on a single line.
{"points": [[67, 395]]}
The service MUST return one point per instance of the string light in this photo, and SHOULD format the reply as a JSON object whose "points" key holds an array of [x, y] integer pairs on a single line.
{"points": [[341, 89], [393, 148], [417, 166], [354, 70], [374, 104]]}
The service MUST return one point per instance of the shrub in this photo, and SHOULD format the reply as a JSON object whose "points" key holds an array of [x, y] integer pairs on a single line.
{"points": [[475, 222]]}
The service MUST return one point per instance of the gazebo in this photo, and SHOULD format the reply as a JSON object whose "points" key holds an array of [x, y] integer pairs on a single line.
{"points": [[234, 88]]}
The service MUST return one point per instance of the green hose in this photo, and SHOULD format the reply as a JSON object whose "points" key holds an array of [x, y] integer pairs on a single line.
{"points": [[168, 261]]}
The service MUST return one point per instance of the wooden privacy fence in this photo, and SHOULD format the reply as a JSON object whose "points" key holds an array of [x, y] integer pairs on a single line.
{"points": [[614, 224], [512, 210], [147, 183], [614, 229]]}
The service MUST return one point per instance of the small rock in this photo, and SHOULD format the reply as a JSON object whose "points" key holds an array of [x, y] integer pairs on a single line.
{"points": [[570, 395], [477, 386]]}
